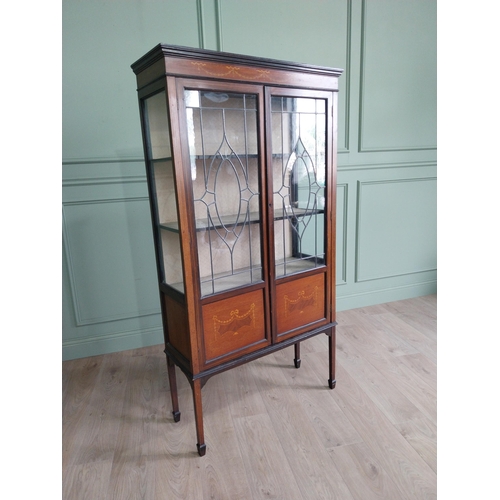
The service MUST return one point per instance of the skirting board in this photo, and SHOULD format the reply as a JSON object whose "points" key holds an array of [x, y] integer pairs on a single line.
{"points": [[96, 346], [107, 344], [382, 296]]}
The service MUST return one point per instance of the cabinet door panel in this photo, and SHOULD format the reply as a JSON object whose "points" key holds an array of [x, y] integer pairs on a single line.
{"points": [[234, 324], [298, 140], [300, 302], [224, 145]]}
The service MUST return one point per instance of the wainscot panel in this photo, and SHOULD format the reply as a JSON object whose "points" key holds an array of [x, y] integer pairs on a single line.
{"points": [[109, 278]]}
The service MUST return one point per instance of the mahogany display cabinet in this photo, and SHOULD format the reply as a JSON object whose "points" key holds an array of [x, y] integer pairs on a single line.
{"points": [[241, 166]]}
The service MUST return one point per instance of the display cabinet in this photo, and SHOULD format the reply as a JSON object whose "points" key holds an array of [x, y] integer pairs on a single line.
{"points": [[241, 167]]}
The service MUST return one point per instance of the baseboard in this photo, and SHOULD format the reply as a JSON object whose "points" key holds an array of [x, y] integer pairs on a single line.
{"points": [[365, 299], [95, 346]]}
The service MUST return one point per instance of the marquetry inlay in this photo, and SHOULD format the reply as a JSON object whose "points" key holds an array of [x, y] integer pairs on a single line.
{"points": [[235, 322], [303, 301], [229, 70]]}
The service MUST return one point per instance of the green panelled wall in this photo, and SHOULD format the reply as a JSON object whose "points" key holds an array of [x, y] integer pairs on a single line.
{"points": [[386, 226]]}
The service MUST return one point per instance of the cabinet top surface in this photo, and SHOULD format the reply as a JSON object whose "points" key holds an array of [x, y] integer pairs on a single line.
{"points": [[162, 51]]}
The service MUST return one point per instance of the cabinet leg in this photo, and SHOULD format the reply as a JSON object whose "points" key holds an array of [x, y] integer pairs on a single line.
{"points": [[331, 358], [173, 389], [198, 415], [297, 355]]}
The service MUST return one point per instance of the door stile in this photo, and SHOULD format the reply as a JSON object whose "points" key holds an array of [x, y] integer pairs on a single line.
{"points": [[262, 125], [270, 215]]}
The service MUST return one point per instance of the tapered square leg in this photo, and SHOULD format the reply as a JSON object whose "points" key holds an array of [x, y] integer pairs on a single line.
{"points": [[198, 415], [173, 389], [331, 358], [297, 355]]}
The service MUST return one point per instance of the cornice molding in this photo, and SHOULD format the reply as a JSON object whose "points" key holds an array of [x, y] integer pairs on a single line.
{"points": [[162, 51]]}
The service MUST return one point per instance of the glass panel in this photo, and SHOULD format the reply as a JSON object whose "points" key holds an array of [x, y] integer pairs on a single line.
{"points": [[155, 109], [299, 176], [223, 145], [162, 170]]}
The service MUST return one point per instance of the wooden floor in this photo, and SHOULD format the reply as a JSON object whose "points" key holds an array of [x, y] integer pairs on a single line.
{"points": [[272, 431]]}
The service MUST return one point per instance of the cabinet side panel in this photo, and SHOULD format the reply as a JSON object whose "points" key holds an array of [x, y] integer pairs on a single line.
{"points": [[177, 325]]}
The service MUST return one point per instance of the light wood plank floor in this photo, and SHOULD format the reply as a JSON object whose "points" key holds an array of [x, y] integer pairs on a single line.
{"points": [[272, 431]]}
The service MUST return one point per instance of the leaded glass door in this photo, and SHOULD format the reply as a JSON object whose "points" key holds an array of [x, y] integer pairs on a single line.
{"points": [[299, 177], [226, 174]]}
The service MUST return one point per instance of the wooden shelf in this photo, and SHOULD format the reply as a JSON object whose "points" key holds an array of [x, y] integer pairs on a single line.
{"points": [[243, 277]]}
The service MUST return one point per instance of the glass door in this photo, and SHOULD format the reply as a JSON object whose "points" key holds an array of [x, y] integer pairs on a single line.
{"points": [[225, 165], [299, 176]]}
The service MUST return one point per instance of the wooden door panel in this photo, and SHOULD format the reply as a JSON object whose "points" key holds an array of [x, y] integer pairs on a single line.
{"points": [[300, 302], [234, 324]]}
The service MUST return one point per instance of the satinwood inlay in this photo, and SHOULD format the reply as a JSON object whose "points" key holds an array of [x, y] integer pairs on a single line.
{"points": [[303, 301], [235, 322], [229, 70]]}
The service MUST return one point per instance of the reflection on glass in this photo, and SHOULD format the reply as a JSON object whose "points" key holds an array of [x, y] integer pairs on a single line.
{"points": [[159, 152], [299, 176], [222, 135]]}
